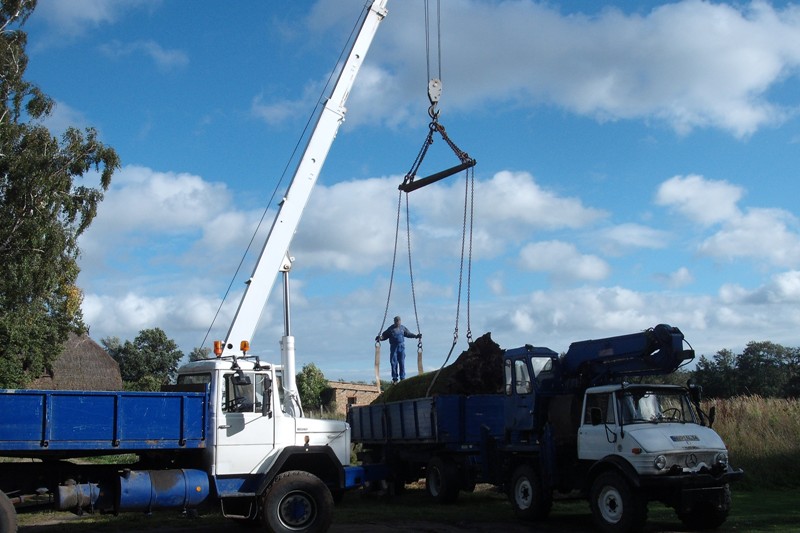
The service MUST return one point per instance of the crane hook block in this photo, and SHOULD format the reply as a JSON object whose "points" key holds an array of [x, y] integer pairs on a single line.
{"points": [[434, 90], [413, 185]]}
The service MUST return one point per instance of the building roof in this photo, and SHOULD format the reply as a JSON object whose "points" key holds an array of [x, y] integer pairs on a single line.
{"points": [[344, 385], [82, 365]]}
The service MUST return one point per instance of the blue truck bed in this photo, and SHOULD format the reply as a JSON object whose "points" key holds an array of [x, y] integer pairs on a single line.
{"points": [[37, 423], [448, 419]]}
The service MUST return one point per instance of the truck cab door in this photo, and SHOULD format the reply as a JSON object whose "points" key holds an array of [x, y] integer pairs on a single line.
{"points": [[520, 397], [598, 433], [245, 433]]}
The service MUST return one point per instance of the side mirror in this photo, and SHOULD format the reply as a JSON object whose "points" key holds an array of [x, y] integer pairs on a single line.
{"points": [[712, 414], [695, 391], [596, 416], [239, 378]]}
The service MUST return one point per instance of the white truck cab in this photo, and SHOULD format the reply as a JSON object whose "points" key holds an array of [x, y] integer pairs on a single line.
{"points": [[655, 428], [250, 420]]}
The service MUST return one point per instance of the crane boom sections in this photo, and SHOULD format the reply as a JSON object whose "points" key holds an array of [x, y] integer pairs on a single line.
{"points": [[274, 255]]}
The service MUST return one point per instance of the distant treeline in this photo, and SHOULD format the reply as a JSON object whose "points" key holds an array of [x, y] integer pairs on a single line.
{"points": [[762, 369]]}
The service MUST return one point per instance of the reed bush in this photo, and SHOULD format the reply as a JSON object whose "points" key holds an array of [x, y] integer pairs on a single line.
{"points": [[763, 438]]}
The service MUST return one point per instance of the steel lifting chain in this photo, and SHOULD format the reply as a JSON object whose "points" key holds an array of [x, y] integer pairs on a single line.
{"points": [[434, 127], [466, 236]]}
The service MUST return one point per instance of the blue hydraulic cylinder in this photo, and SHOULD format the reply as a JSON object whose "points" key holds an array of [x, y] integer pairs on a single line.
{"points": [[656, 351]]}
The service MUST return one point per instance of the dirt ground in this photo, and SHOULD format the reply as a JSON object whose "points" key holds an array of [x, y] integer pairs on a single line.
{"points": [[390, 526]]}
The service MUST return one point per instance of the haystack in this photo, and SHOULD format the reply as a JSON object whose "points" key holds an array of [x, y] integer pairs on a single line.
{"points": [[478, 370]]}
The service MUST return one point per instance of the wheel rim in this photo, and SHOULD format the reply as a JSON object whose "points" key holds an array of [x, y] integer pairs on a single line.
{"points": [[523, 494], [296, 510], [610, 504], [435, 481]]}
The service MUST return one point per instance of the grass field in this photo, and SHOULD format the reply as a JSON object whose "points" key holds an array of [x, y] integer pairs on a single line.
{"points": [[763, 437], [753, 511]]}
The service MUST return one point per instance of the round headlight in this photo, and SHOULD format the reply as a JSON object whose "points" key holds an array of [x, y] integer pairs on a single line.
{"points": [[721, 459], [660, 462]]}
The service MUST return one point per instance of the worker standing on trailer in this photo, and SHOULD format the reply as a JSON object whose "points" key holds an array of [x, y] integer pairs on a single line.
{"points": [[397, 333]]}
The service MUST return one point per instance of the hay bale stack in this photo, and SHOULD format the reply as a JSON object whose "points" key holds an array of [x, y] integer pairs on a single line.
{"points": [[478, 370]]}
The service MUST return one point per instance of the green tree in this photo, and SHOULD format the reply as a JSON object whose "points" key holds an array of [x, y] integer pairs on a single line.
{"points": [[43, 211], [148, 362], [718, 376], [310, 384], [764, 368], [198, 354]]}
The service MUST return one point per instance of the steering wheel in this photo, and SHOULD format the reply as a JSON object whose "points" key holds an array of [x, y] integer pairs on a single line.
{"points": [[236, 404], [671, 414]]}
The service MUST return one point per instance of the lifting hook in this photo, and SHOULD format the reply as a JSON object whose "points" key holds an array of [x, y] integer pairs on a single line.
{"points": [[434, 93]]}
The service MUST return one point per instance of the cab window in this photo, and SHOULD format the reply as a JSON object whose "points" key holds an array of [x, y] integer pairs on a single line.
{"points": [[602, 401], [523, 378], [240, 393], [509, 377], [194, 379]]}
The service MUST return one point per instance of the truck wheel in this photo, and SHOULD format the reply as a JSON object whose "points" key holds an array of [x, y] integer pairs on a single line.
{"points": [[527, 496], [615, 507], [298, 501], [8, 515], [708, 515], [442, 480]]}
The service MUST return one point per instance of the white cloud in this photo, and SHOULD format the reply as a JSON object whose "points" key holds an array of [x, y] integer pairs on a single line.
{"points": [[699, 199], [763, 235], [677, 279], [143, 199], [164, 59], [623, 237], [76, 16], [689, 64], [62, 117], [516, 197], [562, 261], [782, 288]]}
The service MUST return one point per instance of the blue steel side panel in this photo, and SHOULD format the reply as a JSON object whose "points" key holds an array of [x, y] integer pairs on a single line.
{"points": [[92, 421], [377, 424], [449, 417], [21, 418], [483, 410]]}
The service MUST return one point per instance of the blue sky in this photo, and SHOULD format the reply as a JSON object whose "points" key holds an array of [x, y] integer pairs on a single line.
{"points": [[637, 164]]}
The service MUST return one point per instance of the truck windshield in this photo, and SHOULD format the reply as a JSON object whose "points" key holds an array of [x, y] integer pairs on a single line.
{"points": [[641, 405]]}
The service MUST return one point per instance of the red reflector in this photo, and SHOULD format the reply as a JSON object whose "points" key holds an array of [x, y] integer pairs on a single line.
{"points": [[636, 451]]}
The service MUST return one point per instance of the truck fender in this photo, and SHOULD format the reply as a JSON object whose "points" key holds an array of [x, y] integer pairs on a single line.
{"points": [[318, 460], [616, 463]]}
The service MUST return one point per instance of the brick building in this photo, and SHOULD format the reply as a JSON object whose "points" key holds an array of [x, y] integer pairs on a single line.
{"points": [[347, 394]]}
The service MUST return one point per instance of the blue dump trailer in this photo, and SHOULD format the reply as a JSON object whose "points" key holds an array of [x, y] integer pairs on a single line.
{"points": [[46, 424], [52, 427]]}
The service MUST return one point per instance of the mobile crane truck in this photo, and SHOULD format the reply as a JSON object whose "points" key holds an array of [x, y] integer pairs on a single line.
{"points": [[232, 430], [571, 424]]}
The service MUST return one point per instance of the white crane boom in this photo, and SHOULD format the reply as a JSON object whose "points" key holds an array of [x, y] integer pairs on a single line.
{"points": [[274, 255]]}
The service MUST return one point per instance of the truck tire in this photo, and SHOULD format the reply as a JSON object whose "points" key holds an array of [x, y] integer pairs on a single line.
{"points": [[297, 502], [707, 515], [8, 515], [616, 508], [442, 480], [529, 500]]}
